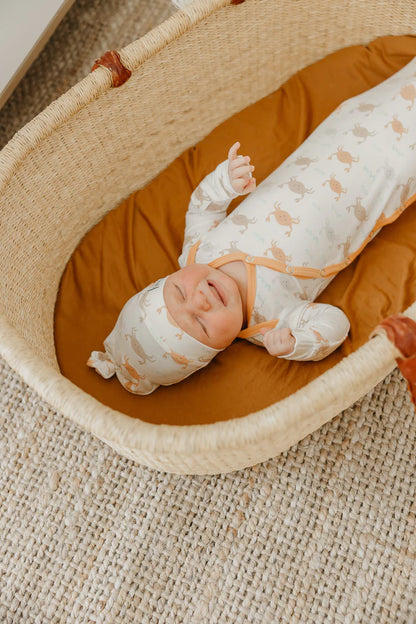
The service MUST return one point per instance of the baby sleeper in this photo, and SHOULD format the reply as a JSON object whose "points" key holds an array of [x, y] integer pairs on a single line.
{"points": [[313, 215]]}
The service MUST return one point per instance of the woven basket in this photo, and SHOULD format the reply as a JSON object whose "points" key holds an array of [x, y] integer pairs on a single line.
{"points": [[89, 150]]}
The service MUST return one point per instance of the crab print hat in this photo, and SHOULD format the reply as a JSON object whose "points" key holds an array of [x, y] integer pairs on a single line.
{"points": [[146, 348]]}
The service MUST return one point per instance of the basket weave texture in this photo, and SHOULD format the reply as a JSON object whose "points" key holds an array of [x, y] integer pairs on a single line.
{"points": [[90, 149]]}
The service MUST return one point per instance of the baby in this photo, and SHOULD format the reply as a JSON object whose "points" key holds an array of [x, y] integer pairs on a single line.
{"points": [[256, 273], [211, 304]]}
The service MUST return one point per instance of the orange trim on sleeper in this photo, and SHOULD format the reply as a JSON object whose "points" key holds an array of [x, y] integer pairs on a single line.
{"points": [[251, 290], [192, 253], [255, 329]]}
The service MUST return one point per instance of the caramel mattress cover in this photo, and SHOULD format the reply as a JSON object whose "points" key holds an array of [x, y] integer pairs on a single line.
{"points": [[141, 240]]}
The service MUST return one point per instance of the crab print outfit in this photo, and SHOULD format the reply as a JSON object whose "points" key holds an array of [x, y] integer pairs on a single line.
{"points": [[313, 215]]}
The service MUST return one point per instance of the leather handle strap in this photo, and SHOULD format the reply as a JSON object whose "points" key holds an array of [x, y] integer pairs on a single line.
{"points": [[401, 331], [111, 60]]}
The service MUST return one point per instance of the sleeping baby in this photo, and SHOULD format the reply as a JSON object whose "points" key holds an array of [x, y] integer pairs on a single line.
{"points": [[255, 274]]}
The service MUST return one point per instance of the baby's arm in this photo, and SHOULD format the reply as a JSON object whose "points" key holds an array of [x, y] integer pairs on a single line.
{"points": [[310, 331], [210, 200]]}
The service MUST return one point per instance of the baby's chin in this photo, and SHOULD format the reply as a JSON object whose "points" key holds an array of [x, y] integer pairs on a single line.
{"points": [[236, 302], [229, 283]]}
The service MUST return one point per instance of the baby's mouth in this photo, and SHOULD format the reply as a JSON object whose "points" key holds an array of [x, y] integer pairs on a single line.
{"points": [[218, 292]]}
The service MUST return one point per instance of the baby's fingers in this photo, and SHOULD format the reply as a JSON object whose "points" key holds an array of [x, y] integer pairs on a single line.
{"points": [[244, 186], [268, 334], [243, 171], [232, 153], [239, 161], [274, 341], [250, 186]]}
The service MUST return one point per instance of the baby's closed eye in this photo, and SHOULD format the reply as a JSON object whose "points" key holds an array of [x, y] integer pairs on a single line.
{"points": [[201, 324]]}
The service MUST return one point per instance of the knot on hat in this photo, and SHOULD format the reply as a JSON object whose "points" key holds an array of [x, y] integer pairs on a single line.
{"points": [[102, 363]]}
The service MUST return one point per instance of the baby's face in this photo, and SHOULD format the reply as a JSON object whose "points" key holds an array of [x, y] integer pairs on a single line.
{"points": [[205, 303]]}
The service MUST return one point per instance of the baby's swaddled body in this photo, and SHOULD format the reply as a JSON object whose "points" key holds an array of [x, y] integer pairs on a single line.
{"points": [[313, 215]]}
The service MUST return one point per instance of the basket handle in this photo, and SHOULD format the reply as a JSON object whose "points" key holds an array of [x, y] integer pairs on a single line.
{"points": [[401, 331], [111, 60]]}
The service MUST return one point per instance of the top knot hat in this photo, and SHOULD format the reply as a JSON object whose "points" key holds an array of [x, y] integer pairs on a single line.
{"points": [[146, 348]]}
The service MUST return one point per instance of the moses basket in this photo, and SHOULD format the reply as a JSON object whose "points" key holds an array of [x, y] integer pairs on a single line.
{"points": [[78, 159]]}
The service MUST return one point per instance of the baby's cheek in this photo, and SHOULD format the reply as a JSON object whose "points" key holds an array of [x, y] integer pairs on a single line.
{"points": [[171, 319], [226, 327], [234, 314]]}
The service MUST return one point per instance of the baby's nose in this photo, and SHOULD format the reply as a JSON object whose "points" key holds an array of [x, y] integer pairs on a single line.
{"points": [[201, 301]]}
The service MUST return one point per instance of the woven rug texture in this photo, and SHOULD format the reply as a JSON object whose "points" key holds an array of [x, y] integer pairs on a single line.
{"points": [[325, 532]]}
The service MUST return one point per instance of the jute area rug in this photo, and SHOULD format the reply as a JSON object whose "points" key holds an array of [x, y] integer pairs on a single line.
{"points": [[323, 533]]}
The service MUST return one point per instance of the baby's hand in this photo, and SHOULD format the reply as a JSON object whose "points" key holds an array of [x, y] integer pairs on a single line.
{"points": [[278, 341], [239, 171]]}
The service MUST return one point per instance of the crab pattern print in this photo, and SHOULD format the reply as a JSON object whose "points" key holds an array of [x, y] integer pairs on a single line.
{"points": [[335, 186], [278, 253], [134, 378], [360, 212], [397, 127], [143, 304], [360, 132], [344, 157], [137, 347], [200, 199], [366, 108], [231, 249], [304, 162], [241, 219], [408, 92], [296, 186], [283, 218], [405, 192], [178, 358]]}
